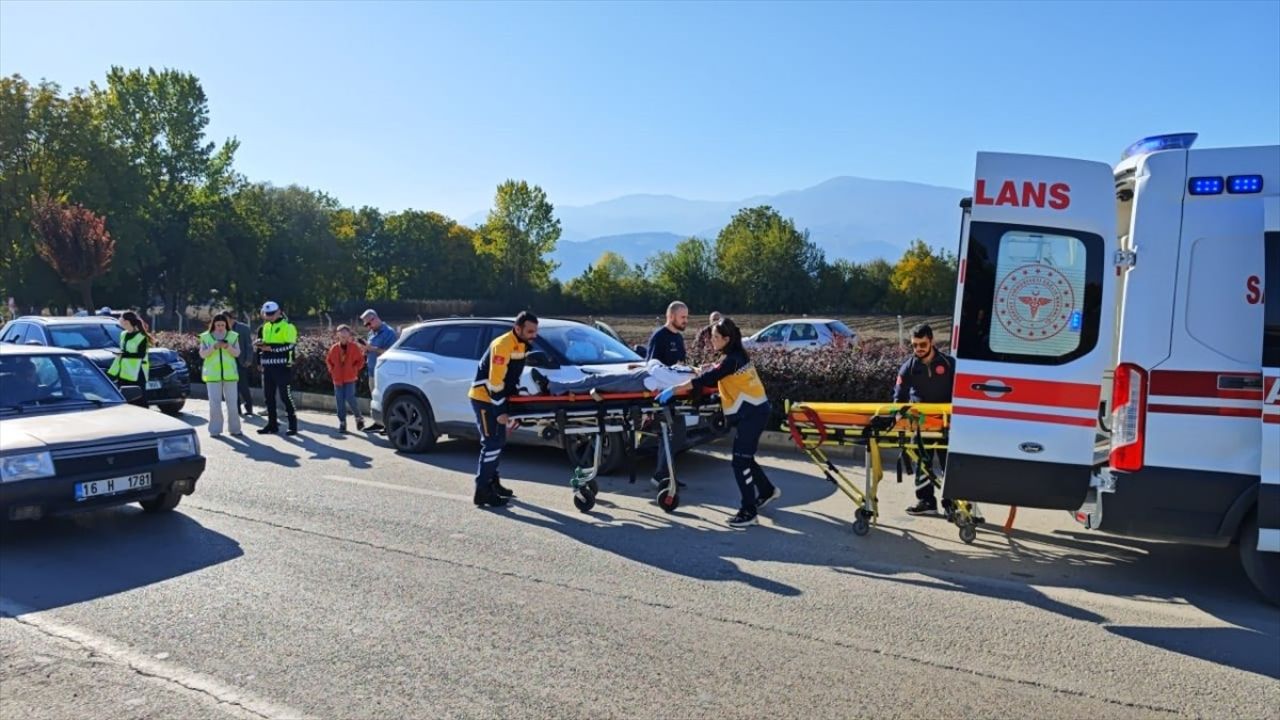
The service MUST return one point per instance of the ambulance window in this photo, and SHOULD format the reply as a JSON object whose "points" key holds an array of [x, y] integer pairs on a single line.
{"points": [[1271, 302], [1031, 295]]}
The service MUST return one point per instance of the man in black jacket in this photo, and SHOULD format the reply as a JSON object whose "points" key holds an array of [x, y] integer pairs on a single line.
{"points": [[926, 377]]}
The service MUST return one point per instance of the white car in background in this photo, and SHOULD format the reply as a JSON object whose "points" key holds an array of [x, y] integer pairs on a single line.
{"points": [[421, 384], [803, 334]]}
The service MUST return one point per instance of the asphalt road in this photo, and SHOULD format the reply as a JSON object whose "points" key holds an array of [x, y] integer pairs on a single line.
{"points": [[329, 577]]}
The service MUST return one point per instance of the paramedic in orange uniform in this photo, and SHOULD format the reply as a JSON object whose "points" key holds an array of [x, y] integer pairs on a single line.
{"points": [[498, 378], [926, 377]]}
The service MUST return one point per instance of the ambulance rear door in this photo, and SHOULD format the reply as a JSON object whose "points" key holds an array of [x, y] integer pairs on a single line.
{"points": [[1269, 490], [1034, 329]]}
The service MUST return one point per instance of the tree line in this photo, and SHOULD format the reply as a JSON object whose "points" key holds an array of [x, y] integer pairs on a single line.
{"points": [[113, 194]]}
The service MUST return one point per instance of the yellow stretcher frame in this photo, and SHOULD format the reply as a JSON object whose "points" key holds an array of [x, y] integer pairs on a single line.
{"points": [[916, 429]]}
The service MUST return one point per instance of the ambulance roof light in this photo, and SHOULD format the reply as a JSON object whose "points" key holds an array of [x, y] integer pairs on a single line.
{"points": [[1155, 143]]}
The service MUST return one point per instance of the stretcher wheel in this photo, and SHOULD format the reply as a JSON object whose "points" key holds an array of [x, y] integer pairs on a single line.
{"points": [[968, 533], [668, 499], [585, 498], [862, 522], [595, 487]]}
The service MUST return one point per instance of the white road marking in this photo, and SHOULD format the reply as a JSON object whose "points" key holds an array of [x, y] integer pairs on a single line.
{"points": [[147, 665]]}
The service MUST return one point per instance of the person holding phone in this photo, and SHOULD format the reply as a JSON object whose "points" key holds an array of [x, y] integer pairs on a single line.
{"points": [[381, 337], [220, 349]]}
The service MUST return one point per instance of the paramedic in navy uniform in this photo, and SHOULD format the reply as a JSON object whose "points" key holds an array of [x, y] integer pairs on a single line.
{"points": [[925, 377], [666, 345]]}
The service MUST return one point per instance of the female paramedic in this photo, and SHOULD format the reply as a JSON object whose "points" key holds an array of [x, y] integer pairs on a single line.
{"points": [[746, 407], [131, 366]]}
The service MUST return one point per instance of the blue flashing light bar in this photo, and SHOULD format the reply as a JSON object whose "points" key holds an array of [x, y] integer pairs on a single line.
{"points": [[1244, 184], [1205, 186], [1155, 143]]}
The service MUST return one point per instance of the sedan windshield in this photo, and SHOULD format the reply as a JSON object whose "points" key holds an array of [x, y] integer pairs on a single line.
{"points": [[30, 382], [91, 336], [582, 345]]}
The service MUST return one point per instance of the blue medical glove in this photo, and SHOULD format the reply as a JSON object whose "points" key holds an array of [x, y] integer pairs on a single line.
{"points": [[667, 396]]}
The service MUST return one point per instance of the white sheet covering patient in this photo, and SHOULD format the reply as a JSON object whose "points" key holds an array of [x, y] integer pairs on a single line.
{"points": [[652, 376]]}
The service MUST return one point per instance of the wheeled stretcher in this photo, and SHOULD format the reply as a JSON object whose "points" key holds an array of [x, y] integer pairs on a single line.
{"points": [[918, 431], [633, 415]]}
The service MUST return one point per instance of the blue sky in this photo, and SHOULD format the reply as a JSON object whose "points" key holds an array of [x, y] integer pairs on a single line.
{"points": [[430, 105]]}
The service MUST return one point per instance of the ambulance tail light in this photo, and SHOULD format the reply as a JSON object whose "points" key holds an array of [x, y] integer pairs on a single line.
{"points": [[1128, 417]]}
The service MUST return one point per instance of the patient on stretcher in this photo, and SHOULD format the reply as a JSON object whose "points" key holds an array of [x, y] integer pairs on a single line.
{"points": [[653, 376]]}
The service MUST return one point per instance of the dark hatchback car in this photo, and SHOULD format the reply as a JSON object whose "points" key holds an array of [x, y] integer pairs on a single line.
{"points": [[70, 442], [98, 338]]}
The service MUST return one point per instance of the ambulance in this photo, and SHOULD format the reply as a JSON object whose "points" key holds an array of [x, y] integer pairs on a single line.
{"points": [[1117, 343]]}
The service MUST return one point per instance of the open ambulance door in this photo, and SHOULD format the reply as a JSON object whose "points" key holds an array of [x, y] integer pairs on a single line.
{"points": [[1269, 491], [1033, 331]]}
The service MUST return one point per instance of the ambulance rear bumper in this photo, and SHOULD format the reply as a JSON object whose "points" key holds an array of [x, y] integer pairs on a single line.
{"points": [[1191, 506]]}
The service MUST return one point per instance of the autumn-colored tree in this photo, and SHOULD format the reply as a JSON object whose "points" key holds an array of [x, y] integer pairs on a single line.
{"points": [[75, 243], [923, 281]]}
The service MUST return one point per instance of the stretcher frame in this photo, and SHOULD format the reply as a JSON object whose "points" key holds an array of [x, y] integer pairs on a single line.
{"points": [[634, 415], [917, 430]]}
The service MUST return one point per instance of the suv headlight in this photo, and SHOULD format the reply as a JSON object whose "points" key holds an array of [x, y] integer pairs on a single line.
{"points": [[178, 446], [26, 467]]}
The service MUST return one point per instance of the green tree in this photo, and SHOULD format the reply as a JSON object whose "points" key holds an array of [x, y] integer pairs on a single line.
{"points": [[517, 239], [923, 281], [688, 272], [612, 285], [767, 265], [428, 256]]}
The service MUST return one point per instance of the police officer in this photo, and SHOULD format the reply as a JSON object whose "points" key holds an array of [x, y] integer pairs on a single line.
{"points": [[497, 378], [926, 377], [276, 339]]}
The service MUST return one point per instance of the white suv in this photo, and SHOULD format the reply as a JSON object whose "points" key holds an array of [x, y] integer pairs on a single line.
{"points": [[422, 383]]}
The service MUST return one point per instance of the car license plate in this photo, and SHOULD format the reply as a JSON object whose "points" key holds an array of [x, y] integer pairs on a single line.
{"points": [[153, 384], [112, 486]]}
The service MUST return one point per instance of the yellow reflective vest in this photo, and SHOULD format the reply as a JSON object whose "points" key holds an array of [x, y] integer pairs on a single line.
{"points": [[221, 365], [131, 364]]}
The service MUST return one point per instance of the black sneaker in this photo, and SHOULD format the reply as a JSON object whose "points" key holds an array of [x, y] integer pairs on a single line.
{"points": [[486, 496], [359, 424], [374, 428], [268, 430], [539, 379], [501, 490], [291, 431], [742, 520], [924, 507], [766, 499]]}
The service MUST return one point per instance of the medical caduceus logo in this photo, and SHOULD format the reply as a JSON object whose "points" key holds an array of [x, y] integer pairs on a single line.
{"points": [[1034, 302]]}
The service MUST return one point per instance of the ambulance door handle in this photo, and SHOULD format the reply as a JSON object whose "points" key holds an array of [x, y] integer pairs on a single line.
{"points": [[988, 388]]}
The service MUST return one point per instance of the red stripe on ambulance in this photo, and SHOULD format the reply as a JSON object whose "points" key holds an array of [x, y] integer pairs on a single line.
{"points": [[1045, 393]]}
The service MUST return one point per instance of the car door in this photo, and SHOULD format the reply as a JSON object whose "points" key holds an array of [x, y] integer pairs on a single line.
{"points": [[1035, 321], [802, 336], [455, 352], [774, 335]]}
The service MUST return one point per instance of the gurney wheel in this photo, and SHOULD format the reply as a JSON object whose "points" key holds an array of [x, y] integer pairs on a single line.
{"points": [[668, 500], [968, 533], [861, 521], [585, 498]]}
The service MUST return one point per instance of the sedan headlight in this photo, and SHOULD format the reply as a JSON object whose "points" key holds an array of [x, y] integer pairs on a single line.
{"points": [[26, 467], [178, 446]]}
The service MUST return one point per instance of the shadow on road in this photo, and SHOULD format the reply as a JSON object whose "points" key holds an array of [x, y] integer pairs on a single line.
{"points": [[64, 561]]}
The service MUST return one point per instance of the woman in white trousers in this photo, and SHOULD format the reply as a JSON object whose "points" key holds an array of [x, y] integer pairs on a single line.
{"points": [[219, 348]]}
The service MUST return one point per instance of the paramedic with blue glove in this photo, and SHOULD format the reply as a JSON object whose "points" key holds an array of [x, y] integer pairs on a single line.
{"points": [[746, 406]]}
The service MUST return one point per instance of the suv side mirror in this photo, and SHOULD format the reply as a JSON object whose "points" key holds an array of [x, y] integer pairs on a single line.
{"points": [[540, 359], [132, 393]]}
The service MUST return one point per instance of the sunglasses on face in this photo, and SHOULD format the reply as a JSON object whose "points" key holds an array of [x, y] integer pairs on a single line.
{"points": [[920, 345]]}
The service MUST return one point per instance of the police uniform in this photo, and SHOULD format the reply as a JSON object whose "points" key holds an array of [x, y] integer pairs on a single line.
{"points": [[926, 382], [276, 357], [497, 378], [746, 407]]}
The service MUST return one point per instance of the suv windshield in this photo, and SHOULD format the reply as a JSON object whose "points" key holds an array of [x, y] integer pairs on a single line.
{"points": [[30, 382], [582, 345], [90, 336]]}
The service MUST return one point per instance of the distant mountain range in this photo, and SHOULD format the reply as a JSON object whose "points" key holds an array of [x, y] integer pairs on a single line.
{"points": [[848, 217]]}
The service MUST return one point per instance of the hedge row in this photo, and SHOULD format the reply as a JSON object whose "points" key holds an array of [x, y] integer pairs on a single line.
{"points": [[825, 374]]}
